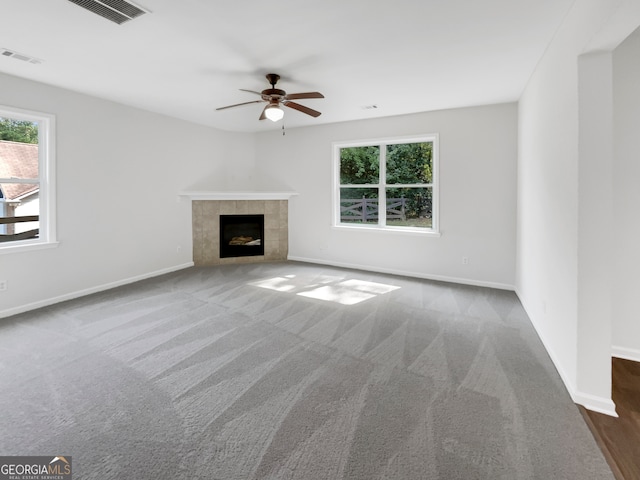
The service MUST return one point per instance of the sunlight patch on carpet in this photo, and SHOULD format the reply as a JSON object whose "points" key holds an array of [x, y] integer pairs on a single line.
{"points": [[344, 292]]}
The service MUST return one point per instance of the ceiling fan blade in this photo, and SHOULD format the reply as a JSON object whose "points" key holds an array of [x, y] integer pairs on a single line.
{"points": [[239, 104], [262, 115], [300, 96], [250, 91], [302, 108]]}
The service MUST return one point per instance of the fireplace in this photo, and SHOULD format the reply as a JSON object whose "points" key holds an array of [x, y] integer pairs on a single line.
{"points": [[207, 210], [241, 235]]}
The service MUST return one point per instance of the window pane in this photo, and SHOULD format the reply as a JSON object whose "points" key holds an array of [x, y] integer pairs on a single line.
{"points": [[360, 165], [19, 159], [18, 149], [410, 163], [359, 205], [19, 202], [409, 207]]}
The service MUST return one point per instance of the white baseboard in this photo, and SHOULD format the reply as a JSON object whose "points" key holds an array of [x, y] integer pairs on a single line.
{"points": [[626, 353], [588, 401], [595, 404], [441, 278], [89, 291]]}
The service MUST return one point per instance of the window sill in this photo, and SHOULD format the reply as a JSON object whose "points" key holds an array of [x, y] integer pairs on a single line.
{"points": [[25, 246], [421, 232]]}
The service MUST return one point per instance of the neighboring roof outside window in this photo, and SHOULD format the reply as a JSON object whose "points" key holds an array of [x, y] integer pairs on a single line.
{"points": [[18, 160]]}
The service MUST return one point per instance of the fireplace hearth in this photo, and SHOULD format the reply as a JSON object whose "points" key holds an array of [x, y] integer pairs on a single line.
{"points": [[241, 235]]}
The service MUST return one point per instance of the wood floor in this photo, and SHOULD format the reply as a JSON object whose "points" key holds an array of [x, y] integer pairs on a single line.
{"points": [[619, 438]]}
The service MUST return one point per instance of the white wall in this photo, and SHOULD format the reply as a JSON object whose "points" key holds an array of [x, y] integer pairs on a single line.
{"points": [[119, 171], [595, 201], [560, 264], [626, 232], [477, 196]]}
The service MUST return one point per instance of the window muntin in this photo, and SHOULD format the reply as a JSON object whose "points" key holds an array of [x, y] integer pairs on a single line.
{"points": [[27, 192], [398, 173]]}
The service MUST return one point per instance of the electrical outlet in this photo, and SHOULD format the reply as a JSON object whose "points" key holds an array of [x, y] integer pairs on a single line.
{"points": [[3, 285], [179, 250], [465, 260]]}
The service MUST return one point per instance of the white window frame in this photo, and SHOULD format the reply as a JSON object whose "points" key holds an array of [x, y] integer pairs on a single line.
{"points": [[46, 178], [382, 185]]}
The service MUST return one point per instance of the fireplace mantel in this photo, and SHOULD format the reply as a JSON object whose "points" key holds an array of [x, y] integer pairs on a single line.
{"points": [[212, 195]]}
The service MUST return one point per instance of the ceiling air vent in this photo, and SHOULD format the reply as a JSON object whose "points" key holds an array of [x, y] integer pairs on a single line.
{"points": [[19, 56], [117, 11]]}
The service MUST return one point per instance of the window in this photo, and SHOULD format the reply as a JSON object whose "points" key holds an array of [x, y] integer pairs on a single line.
{"points": [[400, 174], [26, 180]]}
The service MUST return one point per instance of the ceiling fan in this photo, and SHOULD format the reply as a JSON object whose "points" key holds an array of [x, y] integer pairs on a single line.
{"points": [[276, 97]]}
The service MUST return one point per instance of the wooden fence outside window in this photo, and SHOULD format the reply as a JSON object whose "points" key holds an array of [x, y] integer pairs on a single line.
{"points": [[10, 237], [365, 209]]}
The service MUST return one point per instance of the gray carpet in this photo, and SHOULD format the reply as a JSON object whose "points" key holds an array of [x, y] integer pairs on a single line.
{"points": [[290, 371]]}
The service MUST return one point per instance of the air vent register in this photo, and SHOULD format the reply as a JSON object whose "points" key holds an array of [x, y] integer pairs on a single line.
{"points": [[118, 11]]}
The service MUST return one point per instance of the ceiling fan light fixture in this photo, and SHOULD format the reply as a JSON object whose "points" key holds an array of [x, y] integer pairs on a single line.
{"points": [[274, 112]]}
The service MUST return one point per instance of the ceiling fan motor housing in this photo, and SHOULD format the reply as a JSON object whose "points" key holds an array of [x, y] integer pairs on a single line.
{"points": [[273, 93]]}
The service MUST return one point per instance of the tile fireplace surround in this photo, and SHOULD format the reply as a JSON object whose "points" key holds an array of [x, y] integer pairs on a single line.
{"points": [[206, 211]]}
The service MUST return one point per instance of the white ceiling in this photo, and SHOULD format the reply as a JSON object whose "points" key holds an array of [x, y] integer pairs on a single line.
{"points": [[186, 58]]}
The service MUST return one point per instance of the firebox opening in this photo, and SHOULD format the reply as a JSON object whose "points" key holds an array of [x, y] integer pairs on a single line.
{"points": [[241, 235]]}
